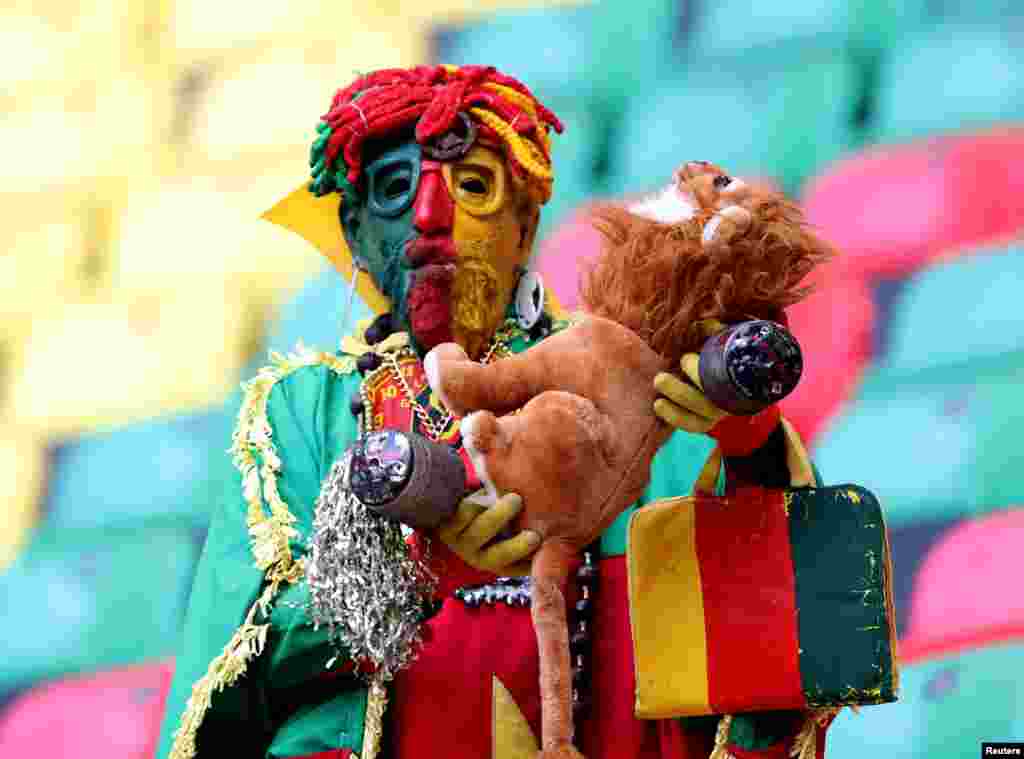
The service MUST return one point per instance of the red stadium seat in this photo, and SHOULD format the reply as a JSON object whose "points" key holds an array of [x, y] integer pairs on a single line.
{"points": [[564, 251], [111, 715], [894, 209], [835, 328], [967, 589]]}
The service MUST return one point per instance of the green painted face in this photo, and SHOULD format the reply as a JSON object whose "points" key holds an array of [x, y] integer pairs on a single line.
{"points": [[445, 242], [379, 227]]}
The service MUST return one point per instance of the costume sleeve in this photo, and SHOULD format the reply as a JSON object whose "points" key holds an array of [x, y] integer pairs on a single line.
{"points": [[293, 423]]}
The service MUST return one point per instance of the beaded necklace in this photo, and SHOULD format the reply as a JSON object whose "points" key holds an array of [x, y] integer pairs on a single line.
{"points": [[513, 591]]}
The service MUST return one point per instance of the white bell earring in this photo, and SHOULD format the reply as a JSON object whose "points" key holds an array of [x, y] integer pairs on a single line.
{"points": [[529, 300]]}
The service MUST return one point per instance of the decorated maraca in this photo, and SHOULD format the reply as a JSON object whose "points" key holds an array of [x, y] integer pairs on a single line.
{"points": [[749, 366]]}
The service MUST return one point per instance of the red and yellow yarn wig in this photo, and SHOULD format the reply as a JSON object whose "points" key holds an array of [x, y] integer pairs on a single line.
{"points": [[429, 100]]}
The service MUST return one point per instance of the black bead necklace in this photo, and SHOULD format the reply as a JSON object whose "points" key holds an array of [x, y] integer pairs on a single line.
{"points": [[581, 636]]}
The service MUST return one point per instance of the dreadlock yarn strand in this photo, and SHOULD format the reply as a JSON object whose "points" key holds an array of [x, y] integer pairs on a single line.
{"points": [[516, 144]]}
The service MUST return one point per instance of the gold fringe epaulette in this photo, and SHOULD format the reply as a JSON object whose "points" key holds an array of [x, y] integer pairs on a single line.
{"points": [[806, 744], [270, 534]]}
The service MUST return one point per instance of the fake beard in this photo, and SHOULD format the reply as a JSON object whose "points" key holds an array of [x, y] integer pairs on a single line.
{"points": [[429, 304], [455, 303], [477, 309]]}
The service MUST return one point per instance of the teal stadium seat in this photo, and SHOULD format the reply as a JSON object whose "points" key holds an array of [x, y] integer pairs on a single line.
{"points": [[782, 123], [79, 601], [951, 78], [726, 27], [973, 10], [936, 443], [732, 26], [948, 705], [963, 311], [155, 469], [933, 427], [549, 49]]}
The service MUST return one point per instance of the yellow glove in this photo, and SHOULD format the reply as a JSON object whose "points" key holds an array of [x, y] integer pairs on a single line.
{"points": [[472, 528], [684, 406]]}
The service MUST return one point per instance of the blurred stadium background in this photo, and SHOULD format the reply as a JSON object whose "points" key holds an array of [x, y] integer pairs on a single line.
{"points": [[142, 140]]}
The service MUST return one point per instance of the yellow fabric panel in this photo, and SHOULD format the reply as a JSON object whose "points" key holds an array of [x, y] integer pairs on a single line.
{"points": [[511, 734], [316, 220], [22, 479], [666, 609]]}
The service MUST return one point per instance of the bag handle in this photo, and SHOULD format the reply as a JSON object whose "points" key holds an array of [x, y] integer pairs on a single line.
{"points": [[801, 472]]}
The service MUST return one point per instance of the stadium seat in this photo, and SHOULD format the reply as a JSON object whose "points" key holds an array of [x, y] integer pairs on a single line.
{"points": [[776, 122], [564, 251], [733, 26], [967, 587], [894, 209], [965, 310], [884, 209], [834, 326], [109, 715], [973, 11], [313, 316], [932, 444], [950, 78], [139, 472], [575, 154], [948, 705], [548, 49], [81, 601]]}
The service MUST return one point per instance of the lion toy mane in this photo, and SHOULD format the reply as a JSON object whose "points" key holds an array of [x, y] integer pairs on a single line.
{"points": [[569, 424]]}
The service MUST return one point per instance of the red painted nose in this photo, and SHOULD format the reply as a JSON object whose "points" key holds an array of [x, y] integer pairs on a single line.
{"points": [[434, 211]]}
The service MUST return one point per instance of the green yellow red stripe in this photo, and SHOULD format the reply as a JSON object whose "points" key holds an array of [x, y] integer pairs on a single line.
{"points": [[744, 553], [667, 612]]}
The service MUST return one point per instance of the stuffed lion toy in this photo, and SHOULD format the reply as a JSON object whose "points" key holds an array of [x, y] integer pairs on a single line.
{"points": [[706, 251]]}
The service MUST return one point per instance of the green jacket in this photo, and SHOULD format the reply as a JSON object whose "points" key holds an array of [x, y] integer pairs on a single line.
{"points": [[247, 633]]}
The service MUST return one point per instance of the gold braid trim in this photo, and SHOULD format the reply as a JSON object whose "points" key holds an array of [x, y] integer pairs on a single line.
{"points": [[373, 728], [251, 443], [269, 534], [722, 739], [806, 744], [247, 642]]}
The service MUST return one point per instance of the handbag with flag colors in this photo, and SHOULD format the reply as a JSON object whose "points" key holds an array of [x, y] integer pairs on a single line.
{"points": [[776, 599]]}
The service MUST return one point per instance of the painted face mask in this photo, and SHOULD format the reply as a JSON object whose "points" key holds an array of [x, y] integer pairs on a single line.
{"points": [[445, 241]]}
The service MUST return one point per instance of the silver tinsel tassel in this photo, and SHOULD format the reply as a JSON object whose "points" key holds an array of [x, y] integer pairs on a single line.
{"points": [[365, 585]]}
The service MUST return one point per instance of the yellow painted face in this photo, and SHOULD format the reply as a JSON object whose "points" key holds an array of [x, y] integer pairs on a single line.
{"points": [[493, 229]]}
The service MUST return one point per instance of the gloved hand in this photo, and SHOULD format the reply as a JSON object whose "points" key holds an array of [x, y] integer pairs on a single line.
{"points": [[684, 406], [472, 528]]}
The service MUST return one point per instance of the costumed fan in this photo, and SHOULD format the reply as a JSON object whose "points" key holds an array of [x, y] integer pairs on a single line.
{"points": [[427, 184]]}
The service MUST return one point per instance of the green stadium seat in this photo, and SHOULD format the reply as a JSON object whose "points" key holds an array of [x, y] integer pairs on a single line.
{"points": [[576, 154], [963, 311], [951, 78], [783, 123], [1001, 11], [79, 601], [158, 468], [948, 705], [933, 444], [548, 49], [732, 26]]}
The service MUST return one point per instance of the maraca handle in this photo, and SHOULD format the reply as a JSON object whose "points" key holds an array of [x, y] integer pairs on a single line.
{"points": [[749, 366]]}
